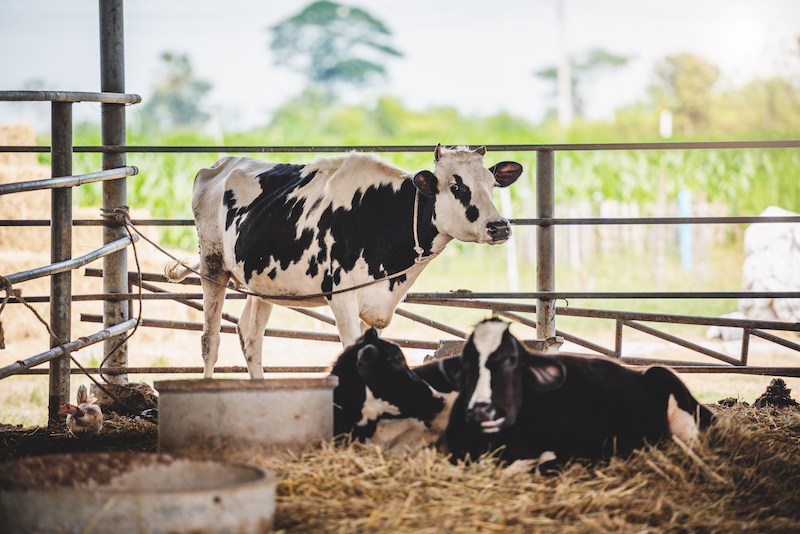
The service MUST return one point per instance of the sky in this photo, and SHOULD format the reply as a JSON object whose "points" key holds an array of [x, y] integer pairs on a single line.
{"points": [[479, 57]]}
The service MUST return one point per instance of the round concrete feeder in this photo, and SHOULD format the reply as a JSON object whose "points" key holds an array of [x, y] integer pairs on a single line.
{"points": [[238, 419], [133, 493]]}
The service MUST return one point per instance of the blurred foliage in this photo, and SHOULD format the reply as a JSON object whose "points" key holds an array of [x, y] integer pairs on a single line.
{"points": [[177, 97], [331, 44], [582, 69]]}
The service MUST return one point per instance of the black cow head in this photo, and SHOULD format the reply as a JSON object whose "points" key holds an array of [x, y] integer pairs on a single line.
{"points": [[392, 389], [462, 187], [495, 370]]}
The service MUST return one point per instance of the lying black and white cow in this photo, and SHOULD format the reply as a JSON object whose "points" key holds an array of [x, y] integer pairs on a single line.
{"points": [[573, 406], [380, 400], [302, 234]]}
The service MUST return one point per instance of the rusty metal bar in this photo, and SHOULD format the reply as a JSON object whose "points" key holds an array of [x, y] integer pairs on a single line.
{"points": [[19, 366], [115, 266], [196, 305], [433, 324], [569, 337], [741, 370], [67, 181], [670, 363], [655, 220], [745, 345], [66, 96], [291, 334], [558, 147], [419, 298], [178, 370], [617, 339], [682, 342], [545, 244], [60, 253]]}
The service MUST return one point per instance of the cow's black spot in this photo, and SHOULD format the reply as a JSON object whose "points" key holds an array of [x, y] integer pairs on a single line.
{"points": [[272, 274], [396, 280], [472, 213], [377, 225], [464, 195]]}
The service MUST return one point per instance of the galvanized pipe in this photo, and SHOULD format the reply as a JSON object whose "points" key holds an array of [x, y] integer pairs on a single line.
{"points": [[562, 147], [19, 366], [115, 266], [69, 265], [545, 244], [178, 370], [682, 342], [68, 96], [67, 181], [60, 251]]}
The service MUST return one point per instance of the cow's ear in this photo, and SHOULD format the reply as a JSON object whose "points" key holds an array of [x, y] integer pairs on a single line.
{"points": [[547, 372], [437, 153], [451, 368], [506, 172], [426, 183], [365, 362], [481, 150], [371, 335]]}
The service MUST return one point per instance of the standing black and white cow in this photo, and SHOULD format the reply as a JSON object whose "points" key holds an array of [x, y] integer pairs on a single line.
{"points": [[303, 233], [573, 406], [380, 400]]}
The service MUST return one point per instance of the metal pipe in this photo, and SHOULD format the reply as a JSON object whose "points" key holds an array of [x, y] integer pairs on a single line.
{"points": [[567, 295], [561, 147], [545, 244], [67, 181], [433, 324], [115, 266], [69, 265], [292, 334], [683, 343], [178, 370], [19, 366], [100, 222], [68, 96], [60, 251]]}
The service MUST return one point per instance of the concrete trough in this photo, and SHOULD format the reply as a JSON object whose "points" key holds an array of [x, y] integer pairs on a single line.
{"points": [[239, 419], [133, 493]]}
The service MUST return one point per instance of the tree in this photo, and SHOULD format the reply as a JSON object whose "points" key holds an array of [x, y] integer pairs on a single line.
{"points": [[582, 69], [331, 44], [177, 97], [684, 84]]}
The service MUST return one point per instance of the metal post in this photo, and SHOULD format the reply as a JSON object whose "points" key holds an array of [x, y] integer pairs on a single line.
{"points": [[545, 244], [115, 266], [60, 250]]}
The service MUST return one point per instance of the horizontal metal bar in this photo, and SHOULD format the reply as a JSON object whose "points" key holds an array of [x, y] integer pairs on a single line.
{"points": [[656, 220], [248, 149], [74, 263], [670, 363], [612, 314], [419, 298], [68, 181], [682, 342], [744, 370], [68, 96], [72, 346], [175, 370], [292, 334], [101, 222]]}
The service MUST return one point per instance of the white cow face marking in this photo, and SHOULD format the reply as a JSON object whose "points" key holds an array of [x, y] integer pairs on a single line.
{"points": [[374, 408], [681, 423], [464, 208], [486, 338]]}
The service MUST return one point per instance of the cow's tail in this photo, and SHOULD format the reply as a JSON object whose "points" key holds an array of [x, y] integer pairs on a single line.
{"points": [[177, 270]]}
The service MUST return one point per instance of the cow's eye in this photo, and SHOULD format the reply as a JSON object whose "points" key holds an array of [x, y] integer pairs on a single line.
{"points": [[454, 188]]}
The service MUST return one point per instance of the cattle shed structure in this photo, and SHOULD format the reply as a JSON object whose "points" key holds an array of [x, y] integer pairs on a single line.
{"points": [[119, 233]]}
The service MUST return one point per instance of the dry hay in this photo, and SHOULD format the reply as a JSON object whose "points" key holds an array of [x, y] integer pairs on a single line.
{"points": [[743, 474]]}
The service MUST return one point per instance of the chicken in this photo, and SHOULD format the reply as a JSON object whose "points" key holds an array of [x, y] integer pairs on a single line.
{"points": [[84, 418]]}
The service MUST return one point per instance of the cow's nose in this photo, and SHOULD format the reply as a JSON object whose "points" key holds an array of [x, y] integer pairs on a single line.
{"points": [[498, 229], [481, 412]]}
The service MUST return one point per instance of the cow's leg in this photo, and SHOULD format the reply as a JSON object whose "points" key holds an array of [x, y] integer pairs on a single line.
{"points": [[251, 333], [213, 298], [346, 312]]}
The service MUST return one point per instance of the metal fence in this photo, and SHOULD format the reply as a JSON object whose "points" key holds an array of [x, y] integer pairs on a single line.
{"points": [[117, 294]]}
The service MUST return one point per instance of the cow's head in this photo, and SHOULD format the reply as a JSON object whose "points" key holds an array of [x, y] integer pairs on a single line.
{"points": [[494, 367], [383, 368], [462, 187]]}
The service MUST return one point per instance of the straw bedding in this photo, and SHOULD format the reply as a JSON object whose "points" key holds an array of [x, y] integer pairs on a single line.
{"points": [[742, 475]]}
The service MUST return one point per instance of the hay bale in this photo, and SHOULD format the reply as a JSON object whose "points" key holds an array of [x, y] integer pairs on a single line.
{"points": [[17, 134]]}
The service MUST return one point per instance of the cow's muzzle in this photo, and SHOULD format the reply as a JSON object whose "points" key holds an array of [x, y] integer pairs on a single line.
{"points": [[498, 230], [488, 417]]}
